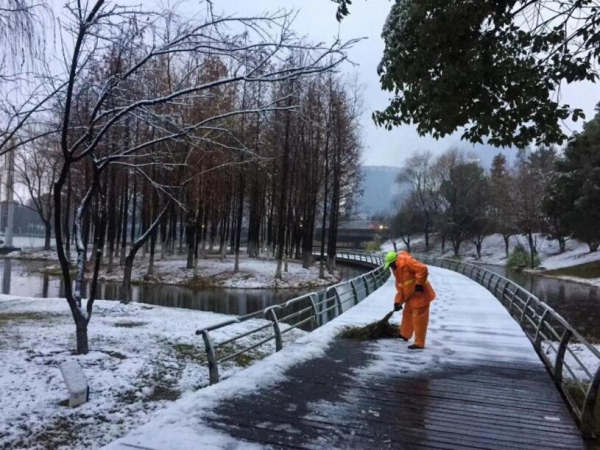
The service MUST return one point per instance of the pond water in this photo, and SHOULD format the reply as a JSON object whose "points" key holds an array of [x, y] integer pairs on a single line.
{"points": [[22, 278], [578, 303]]}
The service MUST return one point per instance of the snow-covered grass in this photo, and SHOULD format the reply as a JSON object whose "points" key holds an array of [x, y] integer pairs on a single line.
{"points": [[493, 252], [211, 272], [142, 358], [38, 254], [253, 274]]}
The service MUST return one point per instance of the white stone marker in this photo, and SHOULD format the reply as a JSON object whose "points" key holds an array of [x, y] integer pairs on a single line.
{"points": [[79, 392]]}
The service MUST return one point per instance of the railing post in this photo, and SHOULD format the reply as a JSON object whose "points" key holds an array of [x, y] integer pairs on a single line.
{"points": [[354, 292], [529, 297], [276, 329], [588, 424], [366, 281], [560, 356], [490, 279], [503, 296], [538, 331], [471, 272], [496, 286], [464, 268], [316, 315], [213, 367], [338, 301], [512, 300]]}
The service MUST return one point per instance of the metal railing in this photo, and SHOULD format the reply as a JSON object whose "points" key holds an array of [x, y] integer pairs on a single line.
{"points": [[557, 343], [309, 311]]}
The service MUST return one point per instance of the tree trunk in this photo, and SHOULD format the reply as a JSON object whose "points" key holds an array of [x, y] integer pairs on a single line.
{"points": [[127, 270], [531, 249], [81, 327], [190, 231], [135, 246], [124, 222], [240, 216], [153, 237], [506, 238], [456, 248], [283, 195], [562, 244], [47, 235]]}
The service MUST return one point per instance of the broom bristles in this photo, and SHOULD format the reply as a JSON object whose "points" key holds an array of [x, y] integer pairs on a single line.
{"points": [[376, 330]]}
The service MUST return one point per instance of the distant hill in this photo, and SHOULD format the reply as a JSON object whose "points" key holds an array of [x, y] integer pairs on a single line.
{"points": [[379, 190]]}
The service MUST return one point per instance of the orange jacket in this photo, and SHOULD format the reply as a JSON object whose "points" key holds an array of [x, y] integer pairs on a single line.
{"points": [[408, 273]]}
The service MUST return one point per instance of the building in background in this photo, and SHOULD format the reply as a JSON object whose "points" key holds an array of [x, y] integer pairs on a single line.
{"points": [[379, 191]]}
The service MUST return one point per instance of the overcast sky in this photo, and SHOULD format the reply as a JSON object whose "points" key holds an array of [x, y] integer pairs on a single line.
{"points": [[316, 19]]}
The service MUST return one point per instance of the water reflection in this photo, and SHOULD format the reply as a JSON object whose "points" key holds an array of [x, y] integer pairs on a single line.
{"points": [[22, 278], [578, 303]]}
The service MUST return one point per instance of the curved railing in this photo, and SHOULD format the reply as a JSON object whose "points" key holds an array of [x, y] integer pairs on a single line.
{"points": [[572, 361], [309, 311]]}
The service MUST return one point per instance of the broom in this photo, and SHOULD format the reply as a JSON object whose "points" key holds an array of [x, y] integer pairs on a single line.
{"points": [[376, 330]]}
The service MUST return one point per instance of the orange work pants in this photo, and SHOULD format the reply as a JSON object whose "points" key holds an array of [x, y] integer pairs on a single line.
{"points": [[415, 320]]}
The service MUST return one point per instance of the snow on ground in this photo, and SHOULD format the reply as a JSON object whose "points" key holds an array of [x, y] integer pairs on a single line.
{"points": [[211, 271], [33, 253], [582, 362], [493, 250], [590, 281], [142, 358], [253, 274], [460, 303]]}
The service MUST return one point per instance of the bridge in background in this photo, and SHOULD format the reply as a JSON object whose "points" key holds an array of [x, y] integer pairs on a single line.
{"points": [[483, 382]]}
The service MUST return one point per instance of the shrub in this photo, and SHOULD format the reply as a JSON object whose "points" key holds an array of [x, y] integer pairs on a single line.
{"points": [[520, 258], [373, 246]]}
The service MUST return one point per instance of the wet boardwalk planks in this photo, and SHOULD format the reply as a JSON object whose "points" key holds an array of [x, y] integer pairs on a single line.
{"points": [[478, 385]]}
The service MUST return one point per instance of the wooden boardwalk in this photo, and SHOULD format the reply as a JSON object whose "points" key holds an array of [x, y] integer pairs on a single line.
{"points": [[479, 384]]}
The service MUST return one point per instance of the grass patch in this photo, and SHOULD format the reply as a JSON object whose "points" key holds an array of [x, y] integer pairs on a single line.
{"points": [[56, 271], [164, 393], [25, 316], [189, 352], [588, 270], [521, 258], [56, 434], [371, 332], [116, 355], [130, 324]]}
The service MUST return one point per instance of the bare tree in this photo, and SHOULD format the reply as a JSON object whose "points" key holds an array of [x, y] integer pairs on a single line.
{"points": [[36, 168], [96, 112]]}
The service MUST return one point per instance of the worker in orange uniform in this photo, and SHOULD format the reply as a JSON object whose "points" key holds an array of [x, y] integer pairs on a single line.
{"points": [[414, 292]]}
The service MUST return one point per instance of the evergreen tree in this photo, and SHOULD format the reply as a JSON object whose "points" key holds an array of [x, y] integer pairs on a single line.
{"points": [[573, 199]]}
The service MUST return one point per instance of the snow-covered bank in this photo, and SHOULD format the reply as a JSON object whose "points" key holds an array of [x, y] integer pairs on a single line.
{"points": [[37, 254], [253, 274], [211, 272], [142, 358], [494, 252]]}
